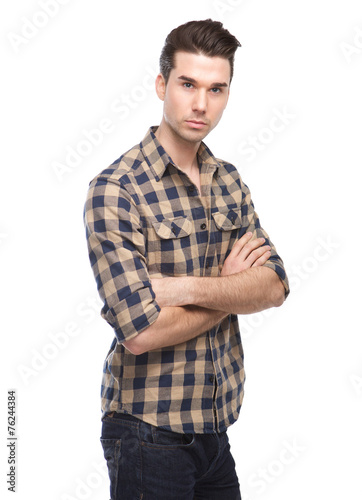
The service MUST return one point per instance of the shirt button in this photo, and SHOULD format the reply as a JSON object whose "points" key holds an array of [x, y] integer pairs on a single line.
{"points": [[232, 220], [211, 378], [203, 226], [191, 189]]}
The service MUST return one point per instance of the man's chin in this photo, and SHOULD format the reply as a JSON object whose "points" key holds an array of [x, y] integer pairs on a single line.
{"points": [[194, 135]]}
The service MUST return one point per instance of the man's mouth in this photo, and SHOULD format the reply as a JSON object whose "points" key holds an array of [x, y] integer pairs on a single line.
{"points": [[196, 123]]}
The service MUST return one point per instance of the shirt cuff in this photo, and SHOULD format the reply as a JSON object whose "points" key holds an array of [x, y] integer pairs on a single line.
{"points": [[133, 314], [279, 269]]}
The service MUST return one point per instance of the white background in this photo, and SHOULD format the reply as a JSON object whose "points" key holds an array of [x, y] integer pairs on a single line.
{"points": [[63, 75]]}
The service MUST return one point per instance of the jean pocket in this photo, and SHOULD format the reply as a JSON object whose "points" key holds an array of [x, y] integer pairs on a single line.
{"points": [[167, 439], [112, 454]]}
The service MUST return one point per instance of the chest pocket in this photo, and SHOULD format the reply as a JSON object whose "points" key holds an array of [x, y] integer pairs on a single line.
{"points": [[228, 223], [170, 246], [228, 219]]}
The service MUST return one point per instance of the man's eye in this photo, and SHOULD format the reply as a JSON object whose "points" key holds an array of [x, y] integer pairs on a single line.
{"points": [[215, 90], [188, 85]]}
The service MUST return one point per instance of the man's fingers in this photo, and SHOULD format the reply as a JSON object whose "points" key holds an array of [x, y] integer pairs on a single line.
{"points": [[239, 245], [244, 244], [261, 260], [256, 254], [246, 253], [245, 248], [253, 245]]}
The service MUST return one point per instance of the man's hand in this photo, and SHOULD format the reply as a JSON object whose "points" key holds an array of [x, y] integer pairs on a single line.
{"points": [[246, 254]]}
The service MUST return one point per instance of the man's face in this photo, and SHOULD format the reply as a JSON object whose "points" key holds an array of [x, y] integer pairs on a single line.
{"points": [[195, 96]]}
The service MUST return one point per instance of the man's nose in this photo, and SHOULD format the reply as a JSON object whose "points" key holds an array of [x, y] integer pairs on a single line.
{"points": [[200, 102]]}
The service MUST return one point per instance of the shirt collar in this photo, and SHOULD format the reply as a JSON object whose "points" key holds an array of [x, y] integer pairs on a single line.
{"points": [[158, 160]]}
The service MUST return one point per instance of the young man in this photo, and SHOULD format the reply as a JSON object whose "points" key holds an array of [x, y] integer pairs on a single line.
{"points": [[178, 251]]}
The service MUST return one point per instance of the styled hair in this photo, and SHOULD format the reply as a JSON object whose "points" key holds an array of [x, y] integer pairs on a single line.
{"points": [[208, 38]]}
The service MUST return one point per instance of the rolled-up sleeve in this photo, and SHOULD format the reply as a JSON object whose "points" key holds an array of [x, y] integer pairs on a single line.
{"points": [[252, 223], [117, 250]]}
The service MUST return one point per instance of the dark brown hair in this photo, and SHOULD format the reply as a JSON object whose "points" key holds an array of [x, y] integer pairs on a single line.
{"points": [[207, 37]]}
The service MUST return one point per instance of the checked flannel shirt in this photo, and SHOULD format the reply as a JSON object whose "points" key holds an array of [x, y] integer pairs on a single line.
{"points": [[145, 218]]}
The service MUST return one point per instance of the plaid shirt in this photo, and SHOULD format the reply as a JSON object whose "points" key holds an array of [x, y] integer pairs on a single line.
{"points": [[144, 218]]}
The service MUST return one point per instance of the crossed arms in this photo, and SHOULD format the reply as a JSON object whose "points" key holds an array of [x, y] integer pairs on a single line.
{"points": [[192, 305]]}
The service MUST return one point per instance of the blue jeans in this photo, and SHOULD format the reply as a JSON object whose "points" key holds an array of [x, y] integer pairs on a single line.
{"points": [[149, 463]]}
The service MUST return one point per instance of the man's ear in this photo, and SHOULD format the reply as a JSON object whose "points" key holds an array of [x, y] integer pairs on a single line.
{"points": [[160, 86]]}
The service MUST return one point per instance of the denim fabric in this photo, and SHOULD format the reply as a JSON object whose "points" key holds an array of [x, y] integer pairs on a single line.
{"points": [[148, 463]]}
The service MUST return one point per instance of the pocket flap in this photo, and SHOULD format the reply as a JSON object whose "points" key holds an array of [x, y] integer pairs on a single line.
{"points": [[178, 227], [228, 219]]}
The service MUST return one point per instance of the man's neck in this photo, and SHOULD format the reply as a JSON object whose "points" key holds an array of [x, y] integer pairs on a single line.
{"points": [[182, 152]]}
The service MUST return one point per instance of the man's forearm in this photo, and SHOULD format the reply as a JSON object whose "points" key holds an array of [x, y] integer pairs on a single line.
{"points": [[173, 326], [250, 291]]}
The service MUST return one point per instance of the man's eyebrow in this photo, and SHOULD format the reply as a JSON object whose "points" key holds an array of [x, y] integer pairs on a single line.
{"points": [[192, 80]]}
